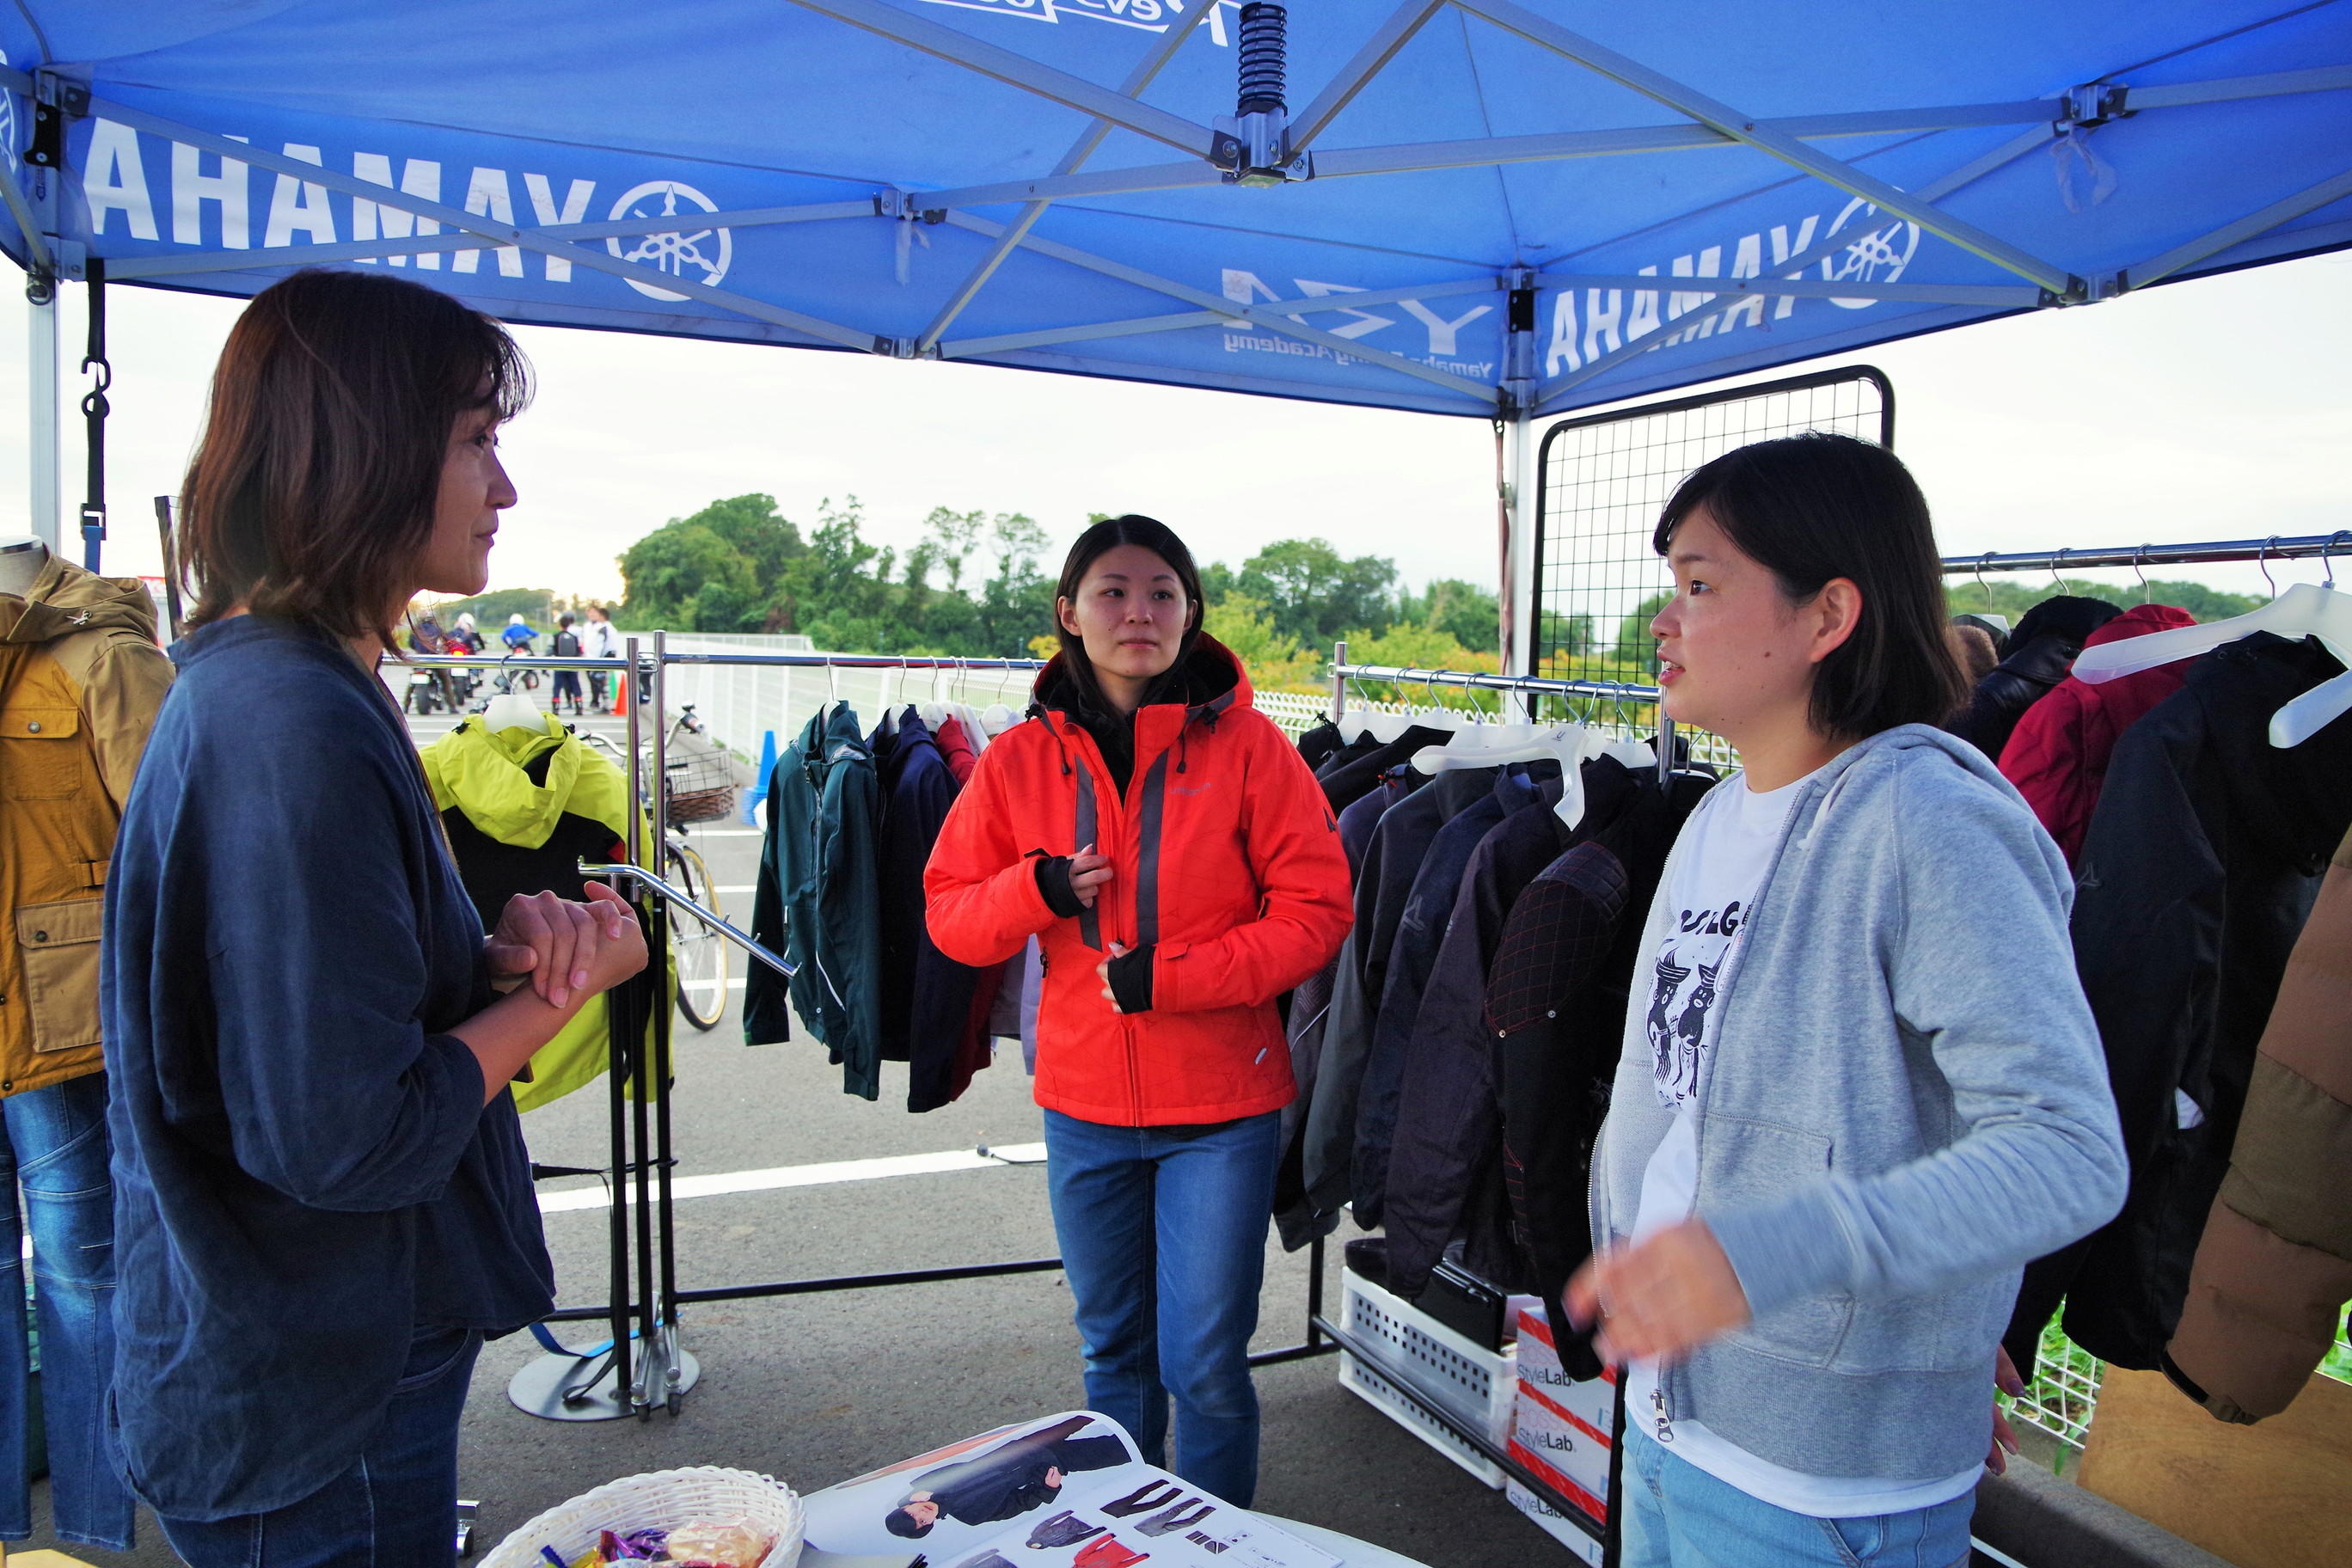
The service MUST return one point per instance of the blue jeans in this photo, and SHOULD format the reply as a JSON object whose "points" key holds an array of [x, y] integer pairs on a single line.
{"points": [[1163, 1242], [1678, 1516], [396, 1506], [55, 1145]]}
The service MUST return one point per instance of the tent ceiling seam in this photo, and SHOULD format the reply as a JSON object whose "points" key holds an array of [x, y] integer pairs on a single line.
{"points": [[1206, 300], [1016, 70], [1631, 73], [1084, 148]]}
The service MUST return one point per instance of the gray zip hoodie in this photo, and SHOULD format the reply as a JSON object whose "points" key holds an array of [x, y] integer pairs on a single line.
{"points": [[1906, 1103]]}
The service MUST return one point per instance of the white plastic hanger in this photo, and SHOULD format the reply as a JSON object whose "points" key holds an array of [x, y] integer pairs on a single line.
{"points": [[1567, 745], [513, 711], [2304, 610]]}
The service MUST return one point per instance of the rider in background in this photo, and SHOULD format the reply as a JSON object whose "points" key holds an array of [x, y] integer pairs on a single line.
{"points": [[567, 682], [520, 637]]}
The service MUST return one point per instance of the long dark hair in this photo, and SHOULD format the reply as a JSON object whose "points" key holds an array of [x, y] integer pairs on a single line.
{"points": [[1817, 506], [1106, 536], [315, 483]]}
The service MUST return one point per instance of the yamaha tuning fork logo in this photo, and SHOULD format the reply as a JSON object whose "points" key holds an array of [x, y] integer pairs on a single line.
{"points": [[697, 254]]}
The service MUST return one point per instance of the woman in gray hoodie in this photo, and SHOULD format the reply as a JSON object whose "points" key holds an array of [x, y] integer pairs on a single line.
{"points": [[1861, 1087]]}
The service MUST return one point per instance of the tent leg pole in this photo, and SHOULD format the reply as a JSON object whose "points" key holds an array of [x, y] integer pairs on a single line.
{"points": [[44, 456], [1515, 588]]}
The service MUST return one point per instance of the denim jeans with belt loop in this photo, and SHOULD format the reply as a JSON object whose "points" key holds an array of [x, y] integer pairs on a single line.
{"points": [[1163, 1242], [55, 1149]]}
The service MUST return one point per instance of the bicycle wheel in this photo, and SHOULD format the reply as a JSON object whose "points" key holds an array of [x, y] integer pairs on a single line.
{"points": [[699, 951]]}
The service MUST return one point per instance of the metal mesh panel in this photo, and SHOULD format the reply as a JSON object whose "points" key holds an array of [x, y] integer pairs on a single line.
{"points": [[1604, 482]]}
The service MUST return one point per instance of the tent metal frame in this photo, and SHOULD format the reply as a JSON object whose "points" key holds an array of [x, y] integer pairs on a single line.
{"points": [[1704, 123]]}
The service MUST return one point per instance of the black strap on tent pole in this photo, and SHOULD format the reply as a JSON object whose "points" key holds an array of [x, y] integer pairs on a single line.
{"points": [[94, 408]]}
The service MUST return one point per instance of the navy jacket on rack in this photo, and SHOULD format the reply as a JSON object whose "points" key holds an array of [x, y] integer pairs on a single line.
{"points": [[1446, 1169], [2200, 868], [1343, 786], [816, 900], [1384, 879], [926, 996], [1412, 955], [1556, 998]]}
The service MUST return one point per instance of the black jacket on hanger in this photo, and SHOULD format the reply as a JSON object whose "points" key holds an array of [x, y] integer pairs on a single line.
{"points": [[1343, 786], [2048, 639], [1412, 955], [1317, 745], [1446, 1157], [2199, 871], [1556, 999], [1383, 883]]}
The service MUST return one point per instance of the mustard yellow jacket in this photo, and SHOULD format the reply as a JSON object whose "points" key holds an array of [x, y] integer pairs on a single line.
{"points": [[80, 682]]}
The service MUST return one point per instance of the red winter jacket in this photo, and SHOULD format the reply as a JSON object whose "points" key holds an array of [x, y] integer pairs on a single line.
{"points": [[2057, 756], [1224, 858]]}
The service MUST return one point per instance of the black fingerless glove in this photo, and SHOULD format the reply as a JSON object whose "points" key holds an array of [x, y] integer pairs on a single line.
{"points": [[1053, 886], [1130, 979]]}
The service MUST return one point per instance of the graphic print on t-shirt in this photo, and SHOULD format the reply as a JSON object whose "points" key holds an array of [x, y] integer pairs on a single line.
{"points": [[1683, 991]]}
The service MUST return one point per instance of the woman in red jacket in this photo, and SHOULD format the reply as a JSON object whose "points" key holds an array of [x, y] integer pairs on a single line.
{"points": [[1175, 857]]}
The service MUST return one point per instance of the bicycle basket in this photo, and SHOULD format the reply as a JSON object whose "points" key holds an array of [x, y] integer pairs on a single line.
{"points": [[701, 783]]}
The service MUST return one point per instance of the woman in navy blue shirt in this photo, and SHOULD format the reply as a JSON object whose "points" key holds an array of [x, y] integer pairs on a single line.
{"points": [[323, 1200]]}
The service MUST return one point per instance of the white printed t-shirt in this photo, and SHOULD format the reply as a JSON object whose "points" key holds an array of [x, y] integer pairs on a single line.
{"points": [[1719, 867]]}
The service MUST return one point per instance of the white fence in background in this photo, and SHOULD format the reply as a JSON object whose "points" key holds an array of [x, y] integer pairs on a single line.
{"points": [[740, 703]]}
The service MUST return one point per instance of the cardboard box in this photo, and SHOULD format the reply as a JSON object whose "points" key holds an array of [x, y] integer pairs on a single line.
{"points": [[1593, 1401], [1572, 1457], [1549, 1520]]}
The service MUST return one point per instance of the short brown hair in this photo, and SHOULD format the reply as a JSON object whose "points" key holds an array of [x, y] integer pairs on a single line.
{"points": [[1817, 506], [315, 483]]}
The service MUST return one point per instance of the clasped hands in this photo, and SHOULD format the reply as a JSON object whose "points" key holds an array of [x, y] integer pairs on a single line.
{"points": [[566, 947]]}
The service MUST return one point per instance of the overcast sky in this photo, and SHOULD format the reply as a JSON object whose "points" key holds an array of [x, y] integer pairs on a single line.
{"points": [[2220, 409]]}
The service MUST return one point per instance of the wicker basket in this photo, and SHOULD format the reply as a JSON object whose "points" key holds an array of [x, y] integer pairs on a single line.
{"points": [[699, 786], [660, 1499]]}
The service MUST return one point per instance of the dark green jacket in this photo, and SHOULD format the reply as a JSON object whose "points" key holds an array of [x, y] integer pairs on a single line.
{"points": [[816, 899]]}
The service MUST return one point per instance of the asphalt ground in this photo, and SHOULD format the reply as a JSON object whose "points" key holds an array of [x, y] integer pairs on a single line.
{"points": [[814, 1389]]}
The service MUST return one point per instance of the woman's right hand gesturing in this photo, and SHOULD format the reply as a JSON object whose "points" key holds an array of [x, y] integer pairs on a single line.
{"points": [[1088, 872]]}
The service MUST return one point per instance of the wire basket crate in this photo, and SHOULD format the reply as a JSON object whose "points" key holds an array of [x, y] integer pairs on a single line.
{"points": [[1474, 1385]]}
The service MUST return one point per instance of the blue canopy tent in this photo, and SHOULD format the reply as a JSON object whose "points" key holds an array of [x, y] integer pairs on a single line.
{"points": [[1500, 208]]}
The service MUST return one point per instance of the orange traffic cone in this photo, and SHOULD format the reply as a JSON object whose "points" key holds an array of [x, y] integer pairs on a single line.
{"points": [[621, 680]]}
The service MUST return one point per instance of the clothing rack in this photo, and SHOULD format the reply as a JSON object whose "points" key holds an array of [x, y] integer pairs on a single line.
{"points": [[1526, 686], [647, 1308]]}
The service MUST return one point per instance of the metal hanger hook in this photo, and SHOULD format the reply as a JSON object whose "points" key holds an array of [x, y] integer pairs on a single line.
{"points": [[2327, 556], [2263, 561], [2055, 562], [1982, 561]]}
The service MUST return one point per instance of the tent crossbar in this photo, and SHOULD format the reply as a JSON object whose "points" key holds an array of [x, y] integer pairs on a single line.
{"points": [[2222, 90], [1008, 242], [1760, 135], [1820, 250], [1995, 294], [2261, 221], [1017, 70], [966, 348], [498, 234], [1484, 396], [1391, 36]]}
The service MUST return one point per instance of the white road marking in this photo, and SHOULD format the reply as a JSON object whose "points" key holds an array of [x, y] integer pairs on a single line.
{"points": [[823, 1174]]}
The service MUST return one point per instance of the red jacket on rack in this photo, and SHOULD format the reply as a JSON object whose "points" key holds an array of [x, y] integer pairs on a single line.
{"points": [[1226, 866], [2057, 756]]}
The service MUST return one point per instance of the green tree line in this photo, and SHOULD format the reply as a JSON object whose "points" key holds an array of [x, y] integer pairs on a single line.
{"points": [[981, 585]]}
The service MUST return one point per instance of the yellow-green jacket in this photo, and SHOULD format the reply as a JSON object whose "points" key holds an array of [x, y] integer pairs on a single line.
{"points": [[80, 682], [523, 809]]}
